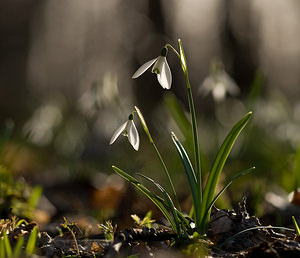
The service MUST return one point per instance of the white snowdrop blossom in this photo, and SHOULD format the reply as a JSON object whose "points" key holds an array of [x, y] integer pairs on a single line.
{"points": [[160, 67], [219, 83], [129, 130]]}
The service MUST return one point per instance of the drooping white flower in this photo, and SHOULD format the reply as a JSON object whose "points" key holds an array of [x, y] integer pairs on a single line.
{"points": [[160, 67], [219, 83], [129, 130]]}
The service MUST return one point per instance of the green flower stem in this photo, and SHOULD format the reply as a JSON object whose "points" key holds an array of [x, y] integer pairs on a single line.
{"points": [[175, 51], [196, 145], [182, 58], [197, 152], [194, 121], [145, 127]]}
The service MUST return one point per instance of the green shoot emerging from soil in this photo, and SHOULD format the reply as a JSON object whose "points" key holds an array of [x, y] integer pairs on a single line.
{"points": [[296, 226], [18, 249], [109, 230], [203, 195], [146, 221]]}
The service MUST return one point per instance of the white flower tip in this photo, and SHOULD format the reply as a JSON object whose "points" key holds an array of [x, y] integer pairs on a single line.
{"points": [[136, 147], [134, 76]]}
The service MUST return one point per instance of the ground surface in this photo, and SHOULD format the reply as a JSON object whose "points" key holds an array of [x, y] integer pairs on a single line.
{"points": [[228, 236]]}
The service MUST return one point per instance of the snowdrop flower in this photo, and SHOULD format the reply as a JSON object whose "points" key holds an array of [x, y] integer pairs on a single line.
{"points": [[218, 82], [129, 130], [160, 67]]}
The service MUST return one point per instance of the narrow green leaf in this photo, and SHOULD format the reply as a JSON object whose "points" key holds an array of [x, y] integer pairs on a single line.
{"points": [[186, 162], [158, 201], [2, 248], [189, 172], [218, 165], [19, 222], [169, 202], [7, 245], [35, 196], [157, 153], [177, 112], [31, 244], [296, 226], [242, 173], [18, 247], [194, 123]]}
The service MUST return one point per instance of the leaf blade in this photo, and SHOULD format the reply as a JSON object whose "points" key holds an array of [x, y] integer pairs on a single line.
{"points": [[242, 173], [169, 202], [218, 165], [189, 170], [155, 199]]}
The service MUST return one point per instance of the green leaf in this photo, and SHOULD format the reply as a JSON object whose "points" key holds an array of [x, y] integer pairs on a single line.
{"points": [[186, 162], [242, 173], [157, 153], [19, 222], [296, 226], [146, 221], [189, 173], [2, 248], [169, 202], [218, 165], [178, 114], [18, 247], [35, 196], [31, 244], [7, 245], [158, 201]]}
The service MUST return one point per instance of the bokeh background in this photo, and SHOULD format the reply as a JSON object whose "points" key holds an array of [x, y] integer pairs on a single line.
{"points": [[65, 86]]}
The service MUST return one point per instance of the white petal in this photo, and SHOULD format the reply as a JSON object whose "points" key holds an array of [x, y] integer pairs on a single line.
{"points": [[157, 67], [230, 84], [206, 86], [133, 135], [143, 68], [165, 76], [219, 92], [118, 132]]}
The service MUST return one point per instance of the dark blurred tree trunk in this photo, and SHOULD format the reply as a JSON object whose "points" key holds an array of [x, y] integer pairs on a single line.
{"points": [[237, 48], [156, 16], [15, 21]]}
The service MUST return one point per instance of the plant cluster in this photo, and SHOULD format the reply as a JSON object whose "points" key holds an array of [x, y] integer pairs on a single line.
{"points": [[16, 194], [203, 195], [18, 238]]}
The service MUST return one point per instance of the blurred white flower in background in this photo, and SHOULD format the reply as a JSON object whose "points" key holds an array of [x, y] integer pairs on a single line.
{"points": [[100, 95], [218, 83], [40, 127]]}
